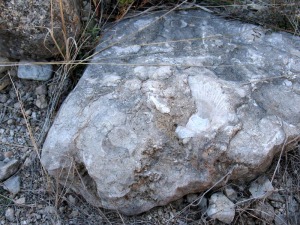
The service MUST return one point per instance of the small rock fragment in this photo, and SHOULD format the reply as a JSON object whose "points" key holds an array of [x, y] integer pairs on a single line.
{"points": [[50, 210], [8, 169], [191, 198], [230, 193], [203, 205], [221, 208], [12, 185], [41, 102], [261, 187], [41, 90], [3, 98], [20, 201], [29, 70], [4, 82], [10, 214], [71, 199]]}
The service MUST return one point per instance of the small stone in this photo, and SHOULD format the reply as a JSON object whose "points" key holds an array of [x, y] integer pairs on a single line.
{"points": [[34, 116], [29, 70], [12, 185], [8, 169], [230, 193], [28, 112], [3, 98], [17, 105], [4, 82], [74, 213], [28, 162], [20, 201], [50, 210], [261, 187], [41, 102], [203, 205], [71, 199], [41, 90], [10, 122], [8, 154], [221, 208], [191, 198], [10, 214]]}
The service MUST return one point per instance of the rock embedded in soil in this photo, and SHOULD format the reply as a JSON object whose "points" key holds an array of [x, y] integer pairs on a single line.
{"points": [[12, 185], [7, 169], [261, 187], [32, 71], [169, 106], [221, 208]]}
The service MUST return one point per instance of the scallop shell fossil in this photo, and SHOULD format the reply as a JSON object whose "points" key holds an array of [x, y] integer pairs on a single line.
{"points": [[215, 102]]}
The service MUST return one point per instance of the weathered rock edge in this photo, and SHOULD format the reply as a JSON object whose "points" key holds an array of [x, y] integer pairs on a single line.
{"points": [[172, 105]]}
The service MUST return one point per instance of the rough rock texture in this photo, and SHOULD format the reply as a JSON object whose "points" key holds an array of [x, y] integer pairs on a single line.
{"points": [[33, 71], [25, 25], [172, 106], [221, 208]]}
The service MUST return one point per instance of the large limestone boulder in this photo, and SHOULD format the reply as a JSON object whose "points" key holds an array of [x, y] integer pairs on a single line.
{"points": [[170, 104], [26, 27]]}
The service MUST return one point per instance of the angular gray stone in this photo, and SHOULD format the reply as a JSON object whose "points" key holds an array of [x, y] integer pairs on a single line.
{"points": [[172, 104], [221, 208], [10, 214], [8, 169], [29, 70], [261, 187], [26, 27], [12, 185]]}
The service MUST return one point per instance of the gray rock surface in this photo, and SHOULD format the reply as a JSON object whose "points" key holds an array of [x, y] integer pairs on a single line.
{"points": [[261, 187], [32, 71], [173, 104], [25, 27], [221, 208], [13, 185]]}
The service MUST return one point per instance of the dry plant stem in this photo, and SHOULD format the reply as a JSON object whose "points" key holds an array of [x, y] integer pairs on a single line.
{"points": [[34, 144]]}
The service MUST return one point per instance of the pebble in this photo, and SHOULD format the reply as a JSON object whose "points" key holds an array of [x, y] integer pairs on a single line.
{"points": [[8, 154], [10, 214], [8, 169], [20, 201], [10, 121], [261, 187], [12, 185], [191, 198], [41, 90], [230, 193], [3, 98], [28, 70], [41, 102], [17, 105], [221, 208]]}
